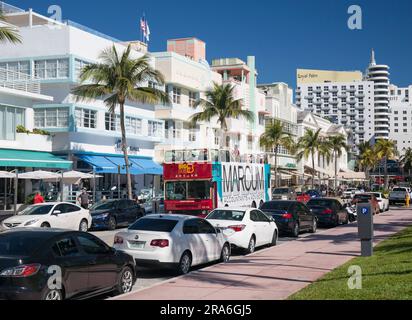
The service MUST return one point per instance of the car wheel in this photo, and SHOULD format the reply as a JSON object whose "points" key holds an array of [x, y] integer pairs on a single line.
{"points": [[53, 294], [185, 263], [225, 255], [274, 239], [125, 282], [45, 225], [296, 230], [314, 226], [84, 226], [112, 223], [252, 245], [387, 208]]}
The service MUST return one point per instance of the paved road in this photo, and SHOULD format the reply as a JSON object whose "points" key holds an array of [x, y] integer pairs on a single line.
{"points": [[275, 273], [149, 277]]}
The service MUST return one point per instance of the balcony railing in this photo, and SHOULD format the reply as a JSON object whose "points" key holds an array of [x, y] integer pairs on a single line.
{"points": [[182, 136], [18, 81], [8, 8]]}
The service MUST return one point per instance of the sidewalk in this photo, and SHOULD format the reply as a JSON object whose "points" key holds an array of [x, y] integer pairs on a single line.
{"points": [[277, 272]]}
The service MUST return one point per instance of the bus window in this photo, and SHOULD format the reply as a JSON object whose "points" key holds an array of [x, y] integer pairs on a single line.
{"points": [[192, 190], [198, 190], [175, 191]]}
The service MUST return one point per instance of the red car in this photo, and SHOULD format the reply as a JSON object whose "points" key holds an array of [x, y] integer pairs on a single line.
{"points": [[302, 197]]}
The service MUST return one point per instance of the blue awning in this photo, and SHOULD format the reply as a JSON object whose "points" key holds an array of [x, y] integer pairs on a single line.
{"points": [[148, 166], [112, 164]]}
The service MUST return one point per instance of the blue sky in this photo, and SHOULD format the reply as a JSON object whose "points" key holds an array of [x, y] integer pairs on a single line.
{"points": [[283, 35]]}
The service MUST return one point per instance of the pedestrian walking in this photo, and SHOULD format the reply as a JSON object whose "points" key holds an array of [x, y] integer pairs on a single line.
{"points": [[83, 199]]}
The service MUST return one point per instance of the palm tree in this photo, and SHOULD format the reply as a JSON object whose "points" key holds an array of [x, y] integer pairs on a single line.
{"points": [[308, 145], [386, 149], [406, 160], [8, 33], [368, 160], [276, 136], [117, 79], [337, 144], [220, 103]]}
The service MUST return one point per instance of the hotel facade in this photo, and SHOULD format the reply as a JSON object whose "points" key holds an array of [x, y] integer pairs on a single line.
{"points": [[188, 77], [84, 132], [359, 102]]}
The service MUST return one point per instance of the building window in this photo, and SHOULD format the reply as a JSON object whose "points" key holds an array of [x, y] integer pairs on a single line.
{"points": [[79, 65], [51, 69], [86, 118], [155, 128], [133, 125], [177, 92], [192, 98], [18, 70], [111, 122], [10, 118], [51, 118], [250, 142]]}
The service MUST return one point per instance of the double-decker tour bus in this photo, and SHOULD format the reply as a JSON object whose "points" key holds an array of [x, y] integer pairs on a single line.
{"points": [[198, 181]]}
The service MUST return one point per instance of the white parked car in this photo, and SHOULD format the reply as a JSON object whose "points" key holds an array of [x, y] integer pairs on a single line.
{"points": [[59, 215], [175, 241], [383, 202], [245, 228]]}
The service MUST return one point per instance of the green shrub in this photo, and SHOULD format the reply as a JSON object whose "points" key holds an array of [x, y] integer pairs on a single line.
{"points": [[41, 132], [22, 129]]}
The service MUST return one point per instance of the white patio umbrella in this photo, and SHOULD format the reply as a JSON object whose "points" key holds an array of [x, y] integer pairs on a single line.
{"points": [[7, 175], [74, 177], [40, 175]]}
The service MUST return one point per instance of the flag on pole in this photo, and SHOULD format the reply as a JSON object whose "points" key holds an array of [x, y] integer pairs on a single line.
{"points": [[147, 32], [143, 27]]}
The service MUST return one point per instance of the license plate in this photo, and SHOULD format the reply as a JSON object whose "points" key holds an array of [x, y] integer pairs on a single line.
{"points": [[137, 244]]}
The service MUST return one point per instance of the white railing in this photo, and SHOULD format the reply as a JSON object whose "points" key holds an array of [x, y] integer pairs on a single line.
{"points": [[182, 136], [8, 8], [18, 81]]}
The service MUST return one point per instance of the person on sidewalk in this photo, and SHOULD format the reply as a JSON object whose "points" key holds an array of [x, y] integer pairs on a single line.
{"points": [[38, 198], [83, 199]]}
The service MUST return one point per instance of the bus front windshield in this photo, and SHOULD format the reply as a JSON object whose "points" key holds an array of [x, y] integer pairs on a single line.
{"points": [[188, 190]]}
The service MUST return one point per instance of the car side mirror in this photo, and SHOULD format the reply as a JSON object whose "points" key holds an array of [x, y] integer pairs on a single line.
{"points": [[56, 212]]}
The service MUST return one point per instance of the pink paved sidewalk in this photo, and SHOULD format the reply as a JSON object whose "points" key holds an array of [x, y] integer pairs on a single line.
{"points": [[277, 272]]}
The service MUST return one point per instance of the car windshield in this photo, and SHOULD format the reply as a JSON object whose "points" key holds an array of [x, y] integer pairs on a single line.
{"points": [[18, 244], [281, 190], [320, 202], [399, 189], [276, 206], [157, 225], [36, 210], [230, 215], [377, 195], [103, 205]]}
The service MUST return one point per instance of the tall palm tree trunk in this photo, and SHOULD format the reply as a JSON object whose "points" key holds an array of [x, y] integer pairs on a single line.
{"points": [[386, 174], [313, 170], [126, 156], [336, 171]]}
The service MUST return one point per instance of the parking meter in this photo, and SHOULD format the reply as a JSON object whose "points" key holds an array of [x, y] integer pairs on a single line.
{"points": [[365, 228]]}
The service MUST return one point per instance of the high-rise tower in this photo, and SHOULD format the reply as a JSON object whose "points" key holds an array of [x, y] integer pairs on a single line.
{"points": [[379, 74]]}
